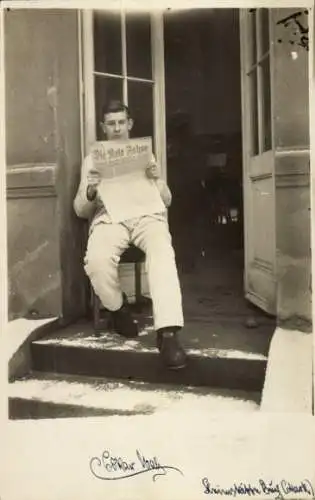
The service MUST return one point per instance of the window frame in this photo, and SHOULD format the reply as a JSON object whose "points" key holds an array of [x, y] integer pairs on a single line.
{"points": [[157, 81], [257, 66]]}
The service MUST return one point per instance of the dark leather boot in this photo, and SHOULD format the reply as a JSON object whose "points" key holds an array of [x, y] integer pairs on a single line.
{"points": [[123, 322], [171, 351]]}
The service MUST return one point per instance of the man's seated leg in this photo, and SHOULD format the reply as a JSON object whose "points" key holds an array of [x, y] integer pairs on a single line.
{"points": [[153, 237], [105, 245]]}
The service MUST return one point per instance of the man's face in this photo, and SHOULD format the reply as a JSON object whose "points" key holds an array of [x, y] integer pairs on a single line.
{"points": [[117, 125]]}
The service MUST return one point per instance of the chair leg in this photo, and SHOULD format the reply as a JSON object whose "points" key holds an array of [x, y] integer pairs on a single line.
{"points": [[96, 311], [138, 281]]}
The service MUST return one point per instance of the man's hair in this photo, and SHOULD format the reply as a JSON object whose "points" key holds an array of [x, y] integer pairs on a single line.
{"points": [[115, 106]]}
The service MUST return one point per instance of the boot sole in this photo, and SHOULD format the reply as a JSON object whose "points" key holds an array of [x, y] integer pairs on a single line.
{"points": [[180, 367]]}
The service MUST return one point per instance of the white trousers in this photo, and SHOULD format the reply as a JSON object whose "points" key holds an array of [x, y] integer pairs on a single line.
{"points": [[106, 244]]}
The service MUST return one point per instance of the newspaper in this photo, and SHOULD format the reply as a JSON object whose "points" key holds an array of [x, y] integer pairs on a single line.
{"points": [[125, 189]]}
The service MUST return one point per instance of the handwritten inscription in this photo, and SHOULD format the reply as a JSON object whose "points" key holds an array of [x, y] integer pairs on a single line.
{"points": [[299, 33], [110, 467], [277, 491], [296, 25]]}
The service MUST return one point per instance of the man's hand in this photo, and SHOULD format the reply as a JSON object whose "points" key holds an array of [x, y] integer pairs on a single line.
{"points": [[93, 178], [152, 170]]}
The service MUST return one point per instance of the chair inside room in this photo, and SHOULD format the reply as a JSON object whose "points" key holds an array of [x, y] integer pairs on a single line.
{"points": [[132, 255]]}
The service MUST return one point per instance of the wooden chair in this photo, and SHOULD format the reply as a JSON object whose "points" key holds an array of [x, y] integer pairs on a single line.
{"points": [[132, 255]]}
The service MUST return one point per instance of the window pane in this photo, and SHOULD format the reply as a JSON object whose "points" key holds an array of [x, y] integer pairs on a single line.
{"points": [[264, 30], [266, 99], [107, 42], [106, 88], [138, 36], [140, 101], [253, 36], [254, 112]]}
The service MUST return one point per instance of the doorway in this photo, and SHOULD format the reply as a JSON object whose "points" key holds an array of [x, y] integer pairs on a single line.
{"points": [[185, 91], [204, 158]]}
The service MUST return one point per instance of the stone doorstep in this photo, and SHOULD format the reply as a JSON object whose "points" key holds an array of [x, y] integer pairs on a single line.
{"points": [[283, 389], [212, 369], [76, 350], [111, 342], [225, 337]]}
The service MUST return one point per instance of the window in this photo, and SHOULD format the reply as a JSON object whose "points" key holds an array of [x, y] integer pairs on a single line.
{"points": [[123, 66], [258, 73]]}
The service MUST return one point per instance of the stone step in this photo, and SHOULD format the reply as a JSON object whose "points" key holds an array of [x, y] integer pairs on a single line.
{"points": [[57, 396], [223, 355]]}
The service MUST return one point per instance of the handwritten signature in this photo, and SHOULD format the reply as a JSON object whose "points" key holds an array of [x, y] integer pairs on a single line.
{"points": [[279, 490], [109, 467]]}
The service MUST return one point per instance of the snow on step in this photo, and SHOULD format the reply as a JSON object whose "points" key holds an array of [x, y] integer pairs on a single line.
{"points": [[108, 342], [120, 396]]}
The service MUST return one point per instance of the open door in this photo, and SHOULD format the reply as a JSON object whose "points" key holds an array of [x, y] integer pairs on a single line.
{"points": [[258, 159]]}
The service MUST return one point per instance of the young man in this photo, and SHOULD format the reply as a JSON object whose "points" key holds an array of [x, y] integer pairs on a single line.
{"points": [[107, 241]]}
